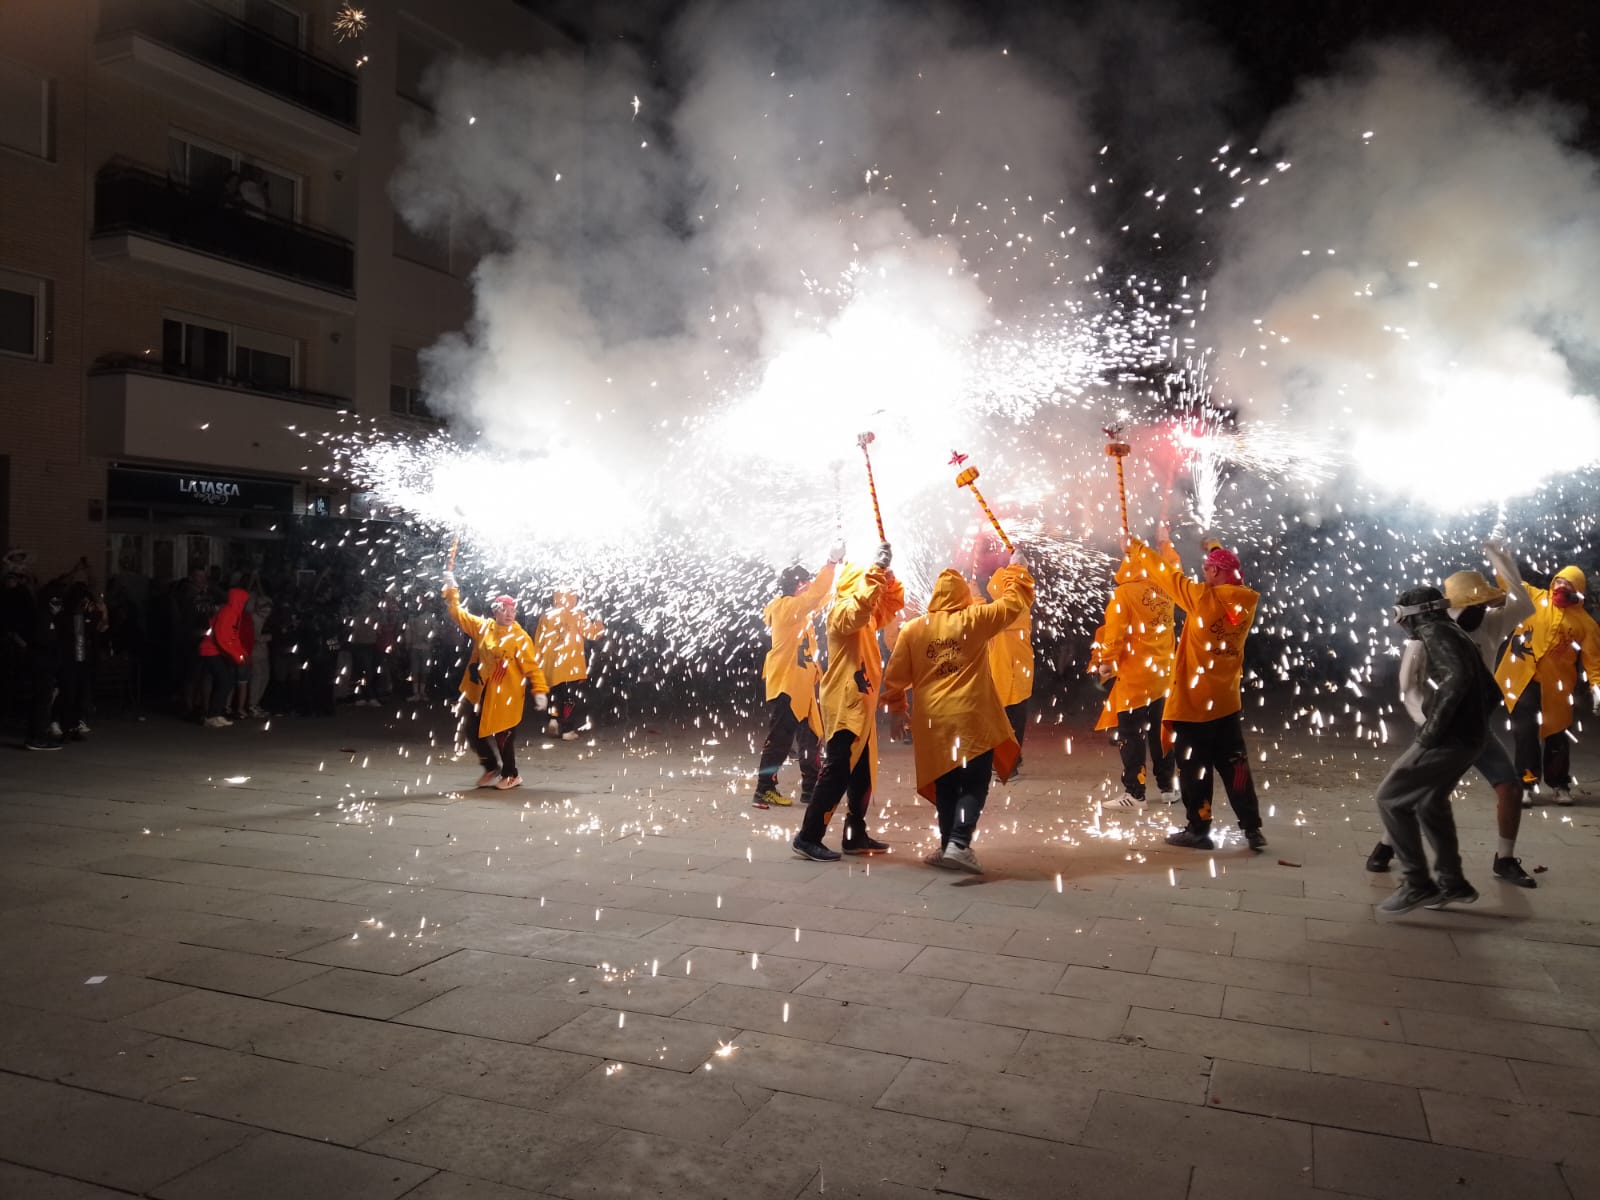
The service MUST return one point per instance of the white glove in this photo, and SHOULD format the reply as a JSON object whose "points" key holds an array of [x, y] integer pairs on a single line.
{"points": [[1019, 558], [450, 580], [884, 556], [541, 701], [1594, 694], [836, 552]]}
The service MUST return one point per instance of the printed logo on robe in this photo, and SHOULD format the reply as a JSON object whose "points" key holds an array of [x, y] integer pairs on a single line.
{"points": [[802, 653], [1223, 644], [1156, 602], [946, 655]]}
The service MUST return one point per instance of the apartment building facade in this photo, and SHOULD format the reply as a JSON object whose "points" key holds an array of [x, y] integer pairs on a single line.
{"points": [[202, 273]]}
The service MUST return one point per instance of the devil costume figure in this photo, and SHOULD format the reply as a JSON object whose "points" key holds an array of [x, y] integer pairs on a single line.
{"points": [[791, 673]]}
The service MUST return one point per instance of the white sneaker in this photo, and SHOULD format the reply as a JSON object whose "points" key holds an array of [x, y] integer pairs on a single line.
{"points": [[961, 858], [81, 727], [217, 722], [55, 729], [1129, 800], [488, 778], [510, 781], [570, 736], [552, 728], [1563, 796], [1169, 797]]}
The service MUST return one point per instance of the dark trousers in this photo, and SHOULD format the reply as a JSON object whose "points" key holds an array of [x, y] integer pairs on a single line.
{"points": [[221, 673], [1414, 800], [783, 731], [836, 781], [364, 670], [567, 707], [1207, 748], [72, 693], [1017, 714], [41, 696], [959, 795], [1138, 730], [498, 751], [1549, 759]]}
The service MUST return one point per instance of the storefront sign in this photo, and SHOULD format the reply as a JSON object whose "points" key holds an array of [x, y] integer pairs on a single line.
{"points": [[180, 488]]}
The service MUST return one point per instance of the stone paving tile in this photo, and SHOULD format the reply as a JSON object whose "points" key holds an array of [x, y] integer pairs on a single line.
{"points": [[359, 993], [1085, 949], [496, 1142], [241, 974], [1515, 1130], [1052, 1014], [271, 1166], [632, 1165], [955, 935], [217, 1018], [727, 935], [1512, 1039], [504, 1072], [381, 954], [1144, 991], [786, 1013], [1487, 970], [880, 1144], [506, 1014], [68, 991], [1228, 970], [47, 1045], [1041, 1108], [827, 1072], [774, 972], [1397, 1169], [263, 937], [1331, 1100], [447, 1185], [134, 1146], [1150, 933], [822, 919], [886, 989], [938, 1039], [1005, 1166], [999, 970], [339, 1042], [1186, 1134], [1242, 1183], [482, 968], [713, 907], [1471, 1000], [641, 992], [1415, 1066], [1575, 1089], [705, 1107], [290, 1098], [24, 1182], [1315, 1014], [1139, 1070], [640, 1038], [1265, 1044], [845, 949]]}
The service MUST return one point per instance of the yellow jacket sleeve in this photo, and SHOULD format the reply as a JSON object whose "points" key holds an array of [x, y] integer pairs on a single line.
{"points": [[854, 612], [1167, 574], [1016, 598], [814, 593], [528, 661], [470, 625], [897, 675]]}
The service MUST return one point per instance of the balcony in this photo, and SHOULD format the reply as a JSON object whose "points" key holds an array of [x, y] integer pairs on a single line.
{"points": [[154, 223], [194, 52], [137, 411]]}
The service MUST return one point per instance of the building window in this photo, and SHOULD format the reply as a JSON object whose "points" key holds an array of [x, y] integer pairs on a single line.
{"points": [[223, 172], [282, 21], [26, 110], [24, 316], [406, 397], [431, 249], [413, 57], [228, 354]]}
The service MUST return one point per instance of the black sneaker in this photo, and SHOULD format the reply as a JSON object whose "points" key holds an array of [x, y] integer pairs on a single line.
{"points": [[1190, 840], [863, 843], [1255, 839], [1510, 870], [1457, 891], [1380, 858], [815, 851], [1408, 896]]}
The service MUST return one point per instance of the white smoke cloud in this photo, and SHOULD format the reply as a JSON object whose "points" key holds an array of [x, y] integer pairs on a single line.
{"points": [[1419, 284]]}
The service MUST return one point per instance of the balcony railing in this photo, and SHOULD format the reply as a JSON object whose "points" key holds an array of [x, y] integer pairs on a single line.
{"points": [[138, 364], [228, 44], [129, 199]]}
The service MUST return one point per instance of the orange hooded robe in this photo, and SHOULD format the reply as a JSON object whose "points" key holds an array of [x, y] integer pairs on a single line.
{"points": [[1556, 638], [1011, 654], [944, 657], [559, 637], [506, 660], [865, 600], [1210, 657], [791, 667], [1136, 640]]}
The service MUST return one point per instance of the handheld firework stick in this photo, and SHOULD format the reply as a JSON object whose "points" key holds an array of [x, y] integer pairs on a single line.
{"points": [[969, 479], [1119, 450], [864, 440]]}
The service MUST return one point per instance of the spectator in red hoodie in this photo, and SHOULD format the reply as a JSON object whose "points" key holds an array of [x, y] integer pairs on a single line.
{"points": [[222, 650]]}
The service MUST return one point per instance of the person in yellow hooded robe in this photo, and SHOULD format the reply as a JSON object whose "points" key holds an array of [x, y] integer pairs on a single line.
{"points": [[559, 641], [864, 601], [959, 731], [499, 670], [1134, 651], [1011, 667], [1203, 702], [791, 673], [1538, 675]]}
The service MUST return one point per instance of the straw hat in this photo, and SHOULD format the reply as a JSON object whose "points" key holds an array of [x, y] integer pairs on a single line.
{"points": [[1466, 588]]}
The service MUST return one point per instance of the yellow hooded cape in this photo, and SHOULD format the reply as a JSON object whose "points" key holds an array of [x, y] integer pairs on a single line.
{"points": [[864, 601], [1011, 653], [506, 660], [1136, 640], [1210, 655], [791, 667], [944, 657], [558, 640], [1556, 638]]}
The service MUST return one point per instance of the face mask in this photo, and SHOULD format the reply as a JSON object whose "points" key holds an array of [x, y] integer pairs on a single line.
{"points": [[1565, 598]]}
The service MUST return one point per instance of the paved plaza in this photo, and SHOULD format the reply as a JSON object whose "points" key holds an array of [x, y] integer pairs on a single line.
{"points": [[302, 962]]}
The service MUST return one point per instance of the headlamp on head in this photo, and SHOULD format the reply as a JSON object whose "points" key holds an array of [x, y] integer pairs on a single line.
{"points": [[1401, 611]]}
